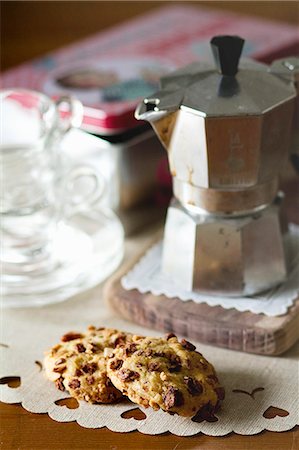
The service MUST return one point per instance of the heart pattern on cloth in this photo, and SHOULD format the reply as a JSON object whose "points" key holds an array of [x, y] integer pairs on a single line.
{"points": [[274, 411], [135, 413], [12, 382], [70, 403]]}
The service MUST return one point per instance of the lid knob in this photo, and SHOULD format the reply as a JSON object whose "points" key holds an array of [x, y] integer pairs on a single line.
{"points": [[227, 51]]}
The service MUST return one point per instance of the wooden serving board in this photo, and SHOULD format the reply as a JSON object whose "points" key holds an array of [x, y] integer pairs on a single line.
{"points": [[228, 328]]}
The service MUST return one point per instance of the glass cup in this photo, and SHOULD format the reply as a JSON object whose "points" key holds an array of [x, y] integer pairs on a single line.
{"points": [[39, 190]]}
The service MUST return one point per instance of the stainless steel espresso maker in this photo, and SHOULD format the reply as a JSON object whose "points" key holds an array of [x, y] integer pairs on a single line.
{"points": [[227, 133]]}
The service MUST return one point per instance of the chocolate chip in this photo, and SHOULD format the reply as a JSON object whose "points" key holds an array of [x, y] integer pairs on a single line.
{"points": [[94, 348], [130, 348], [220, 393], [78, 373], [173, 397], [120, 340], [89, 368], [175, 369], [116, 364], [169, 336], [75, 383], [59, 369], [193, 386], [60, 361], [148, 352], [59, 384], [175, 359], [90, 380], [175, 363], [128, 375], [187, 345], [80, 348], [71, 336], [154, 367]]}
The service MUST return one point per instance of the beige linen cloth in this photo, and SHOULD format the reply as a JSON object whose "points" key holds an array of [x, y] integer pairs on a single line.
{"points": [[261, 392]]}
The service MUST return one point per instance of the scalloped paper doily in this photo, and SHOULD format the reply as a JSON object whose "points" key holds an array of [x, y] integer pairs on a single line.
{"points": [[261, 391], [146, 276]]}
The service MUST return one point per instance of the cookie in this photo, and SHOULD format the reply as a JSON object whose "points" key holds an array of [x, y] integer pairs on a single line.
{"points": [[166, 374], [78, 364]]}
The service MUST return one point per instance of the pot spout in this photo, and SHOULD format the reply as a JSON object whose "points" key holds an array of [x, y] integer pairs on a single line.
{"points": [[149, 111], [160, 111], [158, 105]]}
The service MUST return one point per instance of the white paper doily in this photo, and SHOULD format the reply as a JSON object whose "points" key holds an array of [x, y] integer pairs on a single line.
{"points": [[261, 391], [146, 276]]}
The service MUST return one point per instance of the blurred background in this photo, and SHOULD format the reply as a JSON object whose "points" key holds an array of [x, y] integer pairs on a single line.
{"points": [[31, 28]]}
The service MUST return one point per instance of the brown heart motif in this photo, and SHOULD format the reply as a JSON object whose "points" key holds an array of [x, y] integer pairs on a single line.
{"points": [[12, 382], [70, 403], [134, 413], [273, 411]]}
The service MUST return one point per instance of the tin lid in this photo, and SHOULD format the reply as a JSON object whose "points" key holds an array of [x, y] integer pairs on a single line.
{"points": [[160, 38], [109, 89], [229, 89]]}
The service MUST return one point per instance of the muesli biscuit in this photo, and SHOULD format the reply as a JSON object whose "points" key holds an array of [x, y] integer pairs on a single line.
{"points": [[166, 374], [78, 364]]}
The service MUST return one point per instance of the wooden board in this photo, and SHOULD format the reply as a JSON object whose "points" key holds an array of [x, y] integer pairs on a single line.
{"points": [[228, 328]]}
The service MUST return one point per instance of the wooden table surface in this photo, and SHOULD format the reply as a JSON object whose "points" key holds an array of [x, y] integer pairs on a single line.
{"points": [[29, 29]]}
